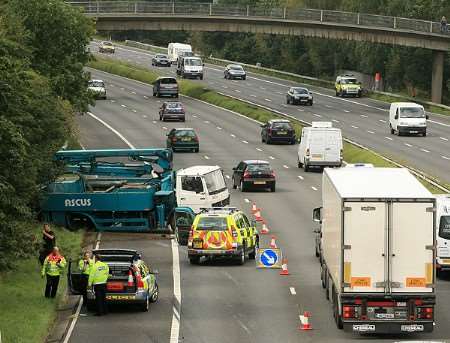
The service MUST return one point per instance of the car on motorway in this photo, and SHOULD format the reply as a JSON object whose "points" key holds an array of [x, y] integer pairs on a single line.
{"points": [[407, 117], [165, 86], [97, 88], [183, 139], [254, 174], [299, 95], [190, 67], [160, 60], [348, 85], [222, 232], [278, 130], [173, 110], [107, 46], [234, 71], [131, 281]]}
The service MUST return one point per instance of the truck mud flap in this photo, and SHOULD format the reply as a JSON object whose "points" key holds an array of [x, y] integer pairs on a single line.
{"points": [[388, 327]]}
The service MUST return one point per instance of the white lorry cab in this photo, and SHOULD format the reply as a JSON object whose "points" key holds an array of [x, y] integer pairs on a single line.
{"points": [[320, 146], [201, 187], [175, 50], [443, 233], [407, 117], [190, 67]]}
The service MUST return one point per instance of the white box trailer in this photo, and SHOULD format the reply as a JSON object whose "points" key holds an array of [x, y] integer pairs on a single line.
{"points": [[378, 250]]}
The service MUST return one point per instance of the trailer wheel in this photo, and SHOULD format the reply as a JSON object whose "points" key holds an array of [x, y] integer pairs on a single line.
{"points": [[337, 317]]}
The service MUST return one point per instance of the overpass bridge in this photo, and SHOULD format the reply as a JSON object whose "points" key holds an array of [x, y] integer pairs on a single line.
{"points": [[143, 15]]}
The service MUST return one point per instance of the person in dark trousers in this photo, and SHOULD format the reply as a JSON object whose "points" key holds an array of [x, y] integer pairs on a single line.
{"points": [[85, 266], [48, 242], [444, 24], [98, 277], [52, 268]]}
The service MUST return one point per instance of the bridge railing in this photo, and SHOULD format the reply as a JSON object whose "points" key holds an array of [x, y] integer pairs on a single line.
{"points": [[209, 9]]}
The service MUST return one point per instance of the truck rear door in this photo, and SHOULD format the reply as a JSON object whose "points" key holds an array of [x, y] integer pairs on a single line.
{"points": [[365, 230], [332, 146], [411, 254], [317, 145]]}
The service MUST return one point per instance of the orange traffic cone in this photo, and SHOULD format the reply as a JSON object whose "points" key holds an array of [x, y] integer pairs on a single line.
{"points": [[257, 215], [304, 319], [254, 209], [284, 267], [264, 229], [273, 244]]}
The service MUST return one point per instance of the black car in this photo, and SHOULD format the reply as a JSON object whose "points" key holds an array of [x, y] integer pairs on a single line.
{"points": [[234, 71], [165, 86], [299, 95], [160, 60], [278, 130], [254, 174], [172, 110], [183, 139]]}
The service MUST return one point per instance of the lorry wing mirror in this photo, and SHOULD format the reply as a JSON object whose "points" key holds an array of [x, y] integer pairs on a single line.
{"points": [[396, 117], [317, 215], [203, 64], [427, 116]]}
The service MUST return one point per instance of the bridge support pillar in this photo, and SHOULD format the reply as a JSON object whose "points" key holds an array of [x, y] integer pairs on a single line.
{"points": [[437, 76]]}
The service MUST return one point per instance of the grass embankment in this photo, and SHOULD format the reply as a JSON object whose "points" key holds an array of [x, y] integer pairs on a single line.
{"points": [[26, 315], [352, 153]]}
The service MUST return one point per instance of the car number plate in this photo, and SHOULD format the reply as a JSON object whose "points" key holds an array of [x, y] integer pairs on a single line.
{"points": [[282, 132], [197, 244], [414, 131], [317, 155], [120, 297], [446, 261], [259, 182], [186, 139]]}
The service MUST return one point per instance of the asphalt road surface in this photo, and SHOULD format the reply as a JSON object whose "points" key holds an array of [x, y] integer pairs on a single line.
{"points": [[222, 302], [362, 120]]}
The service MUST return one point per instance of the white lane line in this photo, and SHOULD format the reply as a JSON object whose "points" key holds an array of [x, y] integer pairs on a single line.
{"points": [[382, 121], [317, 115], [268, 100], [371, 132], [355, 127], [314, 188], [408, 145], [122, 89], [133, 92], [446, 158], [145, 97], [206, 121], [346, 111], [154, 121], [280, 93], [228, 176], [243, 326], [144, 116], [439, 123], [271, 157], [444, 139], [284, 105], [233, 135], [225, 87], [334, 120], [301, 177], [425, 150], [300, 110], [112, 129], [218, 128], [364, 116], [247, 201], [164, 128], [113, 101], [194, 115], [328, 106], [245, 142], [237, 90], [124, 106], [134, 111], [262, 88], [389, 138], [253, 95], [285, 166], [292, 290], [259, 149], [175, 328], [73, 323], [206, 157]]}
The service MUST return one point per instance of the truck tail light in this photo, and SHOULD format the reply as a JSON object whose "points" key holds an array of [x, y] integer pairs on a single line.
{"points": [[307, 152], [350, 312], [425, 312], [246, 175]]}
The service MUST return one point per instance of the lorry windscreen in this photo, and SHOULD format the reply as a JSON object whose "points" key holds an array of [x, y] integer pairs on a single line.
{"points": [[215, 183], [444, 227], [412, 112]]}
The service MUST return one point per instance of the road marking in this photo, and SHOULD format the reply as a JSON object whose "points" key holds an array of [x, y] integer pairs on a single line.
{"points": [[370, 132], [444, 139], [144, 116], [225, 87], [328, 106], [284, 105], [124, 106], [245, 142], [175, 328], [355, 127], [145, 97], [259, 149], [334, 120], [285, 166], [271, 157], [206, 121], [389, 138], [122, 89], [134, 111], [164, 128], [206, 157], [445, 157], [317, 115], [253, 95], [292, 289], [246, 200], [364, 116], [382, 121], [268, 100], [113, 101], [262, 88], [112, 129], [232, 135], [280, 93], [133, 92], [154, 121], [346, 111], [425, 150], [218, 128], [300, 110], [314, 188], [408, 145], [228, 176], [194, 115], [237, 90], [301, 177]]}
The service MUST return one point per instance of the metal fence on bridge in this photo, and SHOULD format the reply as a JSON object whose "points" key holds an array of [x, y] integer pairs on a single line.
{"points": [[301, 14]]}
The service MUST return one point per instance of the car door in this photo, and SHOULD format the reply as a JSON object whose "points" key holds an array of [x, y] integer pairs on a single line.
{"points": [[264, 131], [237, 174], [161, 110], [74, 278], [182, 222], [169, 138], [251, 231], [241, 228]]}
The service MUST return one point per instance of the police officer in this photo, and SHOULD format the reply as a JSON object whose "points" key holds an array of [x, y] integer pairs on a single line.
{"points": [[53, 267], [98, 277], [85, 266]]}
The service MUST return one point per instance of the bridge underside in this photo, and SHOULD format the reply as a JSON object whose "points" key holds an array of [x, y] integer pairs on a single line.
{"points": [[147, 22]]}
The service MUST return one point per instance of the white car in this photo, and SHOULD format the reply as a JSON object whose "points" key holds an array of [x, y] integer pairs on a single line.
{"points": [[97, 87]]}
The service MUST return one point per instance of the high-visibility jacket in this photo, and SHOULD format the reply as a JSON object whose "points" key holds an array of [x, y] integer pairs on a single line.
{"points": [[85, 268], [99, 273], [53, 265]]}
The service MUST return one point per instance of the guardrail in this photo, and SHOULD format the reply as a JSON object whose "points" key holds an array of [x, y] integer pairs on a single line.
{"points": [[287, 13]]}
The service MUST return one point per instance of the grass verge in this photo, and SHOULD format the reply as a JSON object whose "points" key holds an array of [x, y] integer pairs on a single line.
{"points": [[352, 153], [26, 315]]}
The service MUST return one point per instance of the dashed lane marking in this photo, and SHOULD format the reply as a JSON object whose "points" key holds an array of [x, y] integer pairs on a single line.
{"points": [[300, 177], [233, 135], [355, 127], [245, 142], [444, 139], [317, 115], [389, 138], [425, 150], [371, 132], [314, 188], [259, 149], [206, 157], [408, 145], [285, 166], [335, 121], [292, 290], [268, 100], [246, 200], [271, 157]]}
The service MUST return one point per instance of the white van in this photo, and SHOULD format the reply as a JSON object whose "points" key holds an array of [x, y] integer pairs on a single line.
{"points": [[201, 187], [175, 50], [320, 145], [407, 117], [190, 67], [443, 233]]}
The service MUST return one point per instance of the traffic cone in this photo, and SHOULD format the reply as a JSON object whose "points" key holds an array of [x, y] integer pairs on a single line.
{"points": [[130, 279], [273, 244], [284, 267], [257, 215], [254, 209], [304, 319], [264, 229]]}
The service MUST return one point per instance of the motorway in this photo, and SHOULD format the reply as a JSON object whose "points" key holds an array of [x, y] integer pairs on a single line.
{"points": [[362, 120], [221, 302]]}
